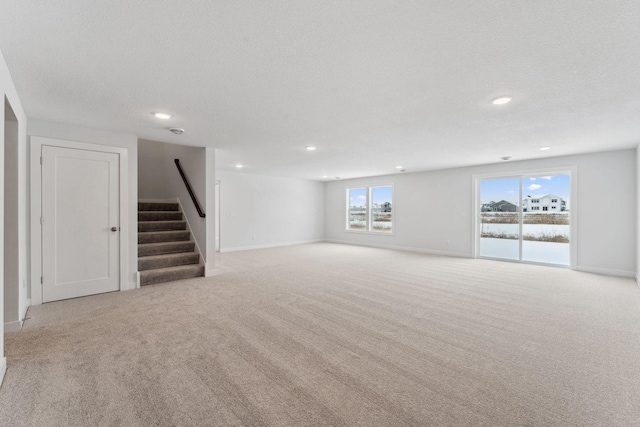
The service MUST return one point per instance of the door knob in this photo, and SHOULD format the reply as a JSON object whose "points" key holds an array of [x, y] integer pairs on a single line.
{"points": [[114, 228]]}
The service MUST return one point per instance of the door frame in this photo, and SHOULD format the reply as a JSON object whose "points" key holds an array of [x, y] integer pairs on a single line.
{"points": [[572, 171], [36, 207]]}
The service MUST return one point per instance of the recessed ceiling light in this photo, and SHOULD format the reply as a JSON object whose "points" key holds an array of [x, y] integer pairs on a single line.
{"points": [[505, 158], [238, 165], [310, 147], [501, 100], [337, 177], [163, 116], [545, 148], [177, 131], [325, 176], [398, 167]]}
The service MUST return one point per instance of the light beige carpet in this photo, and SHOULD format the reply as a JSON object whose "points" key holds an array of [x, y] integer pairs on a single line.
{"points": [[329, 334]]}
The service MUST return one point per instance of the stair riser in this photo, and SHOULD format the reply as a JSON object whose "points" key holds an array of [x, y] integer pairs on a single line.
{"points": [[162, 226], [175, 236], [168, 248], [159, 216], [150, 264], [150, 277], [156, 206]]}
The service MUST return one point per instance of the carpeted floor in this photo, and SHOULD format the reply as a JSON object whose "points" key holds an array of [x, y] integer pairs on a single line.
{"points": [[327, 334]]}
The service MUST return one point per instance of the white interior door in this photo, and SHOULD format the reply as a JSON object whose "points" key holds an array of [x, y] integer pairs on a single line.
{"points": [[80, 223]]}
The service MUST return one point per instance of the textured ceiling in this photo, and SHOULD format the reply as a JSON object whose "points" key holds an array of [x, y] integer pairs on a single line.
{"points": [[373, 84]]}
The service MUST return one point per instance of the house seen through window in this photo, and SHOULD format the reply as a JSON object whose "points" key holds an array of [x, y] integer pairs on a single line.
{"points": [[370, 209]]}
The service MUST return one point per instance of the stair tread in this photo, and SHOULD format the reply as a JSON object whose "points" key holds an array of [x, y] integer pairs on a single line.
{"points": [[171, 274], [172, 255], [170, 269], [159, 248], [171, 243], [158, 206], [163, 231]]}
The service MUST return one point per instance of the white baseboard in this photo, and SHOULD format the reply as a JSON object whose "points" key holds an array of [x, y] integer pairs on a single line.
{"points": [[608, 272], [212, 272], [402, 248], [14, 326], [25, 310], [3, 369], [270, 245]]}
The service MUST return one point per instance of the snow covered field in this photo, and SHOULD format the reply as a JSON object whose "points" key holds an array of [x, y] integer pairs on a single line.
{"points": [[546, 252]]}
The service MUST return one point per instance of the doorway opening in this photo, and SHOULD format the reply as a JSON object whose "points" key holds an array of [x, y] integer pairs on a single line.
{"points": [[526, 218]]}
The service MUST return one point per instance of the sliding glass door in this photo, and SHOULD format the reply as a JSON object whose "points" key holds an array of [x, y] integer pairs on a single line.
{"points": [[500, 218], [526, 218]]}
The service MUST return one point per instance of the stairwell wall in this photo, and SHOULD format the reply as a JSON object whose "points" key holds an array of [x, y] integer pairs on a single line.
{"points": [[158, 178]]}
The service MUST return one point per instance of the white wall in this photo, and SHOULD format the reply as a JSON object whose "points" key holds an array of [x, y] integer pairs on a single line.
{"points": [[158, 178], [100, 137], [434, 210], [8, 92], [638, 215], [262, 211]]}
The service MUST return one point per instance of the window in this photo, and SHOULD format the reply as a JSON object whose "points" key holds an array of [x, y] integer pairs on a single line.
{"points": [[544, 208], [370, 209], [554, 200], [357, 216], [535, 201]]}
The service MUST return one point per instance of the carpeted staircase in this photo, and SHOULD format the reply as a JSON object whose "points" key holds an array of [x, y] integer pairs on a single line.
{"points": [[165, 249]]}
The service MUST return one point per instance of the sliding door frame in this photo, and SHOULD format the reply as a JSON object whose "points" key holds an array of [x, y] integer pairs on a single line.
{"points": [[572, 171]]}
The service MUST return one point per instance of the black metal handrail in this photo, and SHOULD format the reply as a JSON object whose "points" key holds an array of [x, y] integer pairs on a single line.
{"points": [[186, 183]]}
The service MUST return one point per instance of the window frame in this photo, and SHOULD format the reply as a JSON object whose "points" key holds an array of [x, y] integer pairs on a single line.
{"points": [[366, 209], [369, 210]]}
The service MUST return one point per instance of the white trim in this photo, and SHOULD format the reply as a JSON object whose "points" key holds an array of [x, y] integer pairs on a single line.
{"points": [[607, 271], [15, 326], [271, 245], [208, 272], [3, 369], [36, 143], [137, 283], [401, 248], [26, 308]]}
